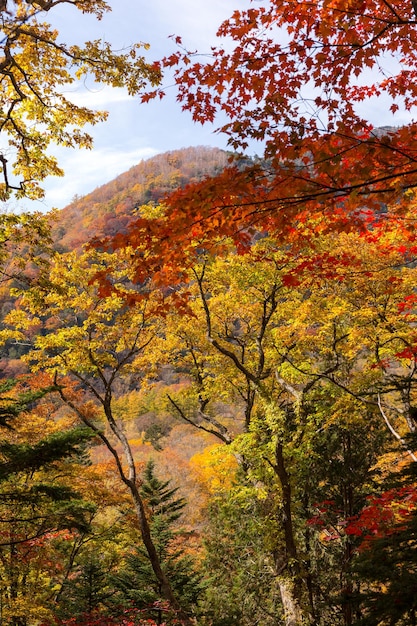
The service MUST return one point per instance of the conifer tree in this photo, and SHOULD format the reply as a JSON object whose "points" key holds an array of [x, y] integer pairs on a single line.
{"points": [[137, 584], [38, 500]]}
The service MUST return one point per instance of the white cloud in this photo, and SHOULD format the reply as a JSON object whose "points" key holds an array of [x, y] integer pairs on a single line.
{"points": [[132, 132], [86, 170], [96, 97]]}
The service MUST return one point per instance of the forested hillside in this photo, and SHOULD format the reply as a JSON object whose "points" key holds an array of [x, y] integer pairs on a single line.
{"points": [[246, 408], [109, 209], [208, 391]]}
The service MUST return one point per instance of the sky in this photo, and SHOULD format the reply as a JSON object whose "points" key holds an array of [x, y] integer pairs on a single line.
{"points": [[133, 131]]}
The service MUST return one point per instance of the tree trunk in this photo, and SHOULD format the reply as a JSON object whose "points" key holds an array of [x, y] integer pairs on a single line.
{"points": [[166, 590], [348, 505], [129, 478], [293, 614], [289, 581], [131, 483]]}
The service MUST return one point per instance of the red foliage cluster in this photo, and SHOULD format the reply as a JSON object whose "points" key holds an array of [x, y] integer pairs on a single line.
{"points": [[294, 79], [383, 515]]}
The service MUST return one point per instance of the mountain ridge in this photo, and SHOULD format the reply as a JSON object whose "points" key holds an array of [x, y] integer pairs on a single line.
{"points": [[109, 208]]}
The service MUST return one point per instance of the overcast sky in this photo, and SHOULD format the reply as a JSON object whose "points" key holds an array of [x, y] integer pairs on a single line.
{"points": [[133, 131], [137, 131]]}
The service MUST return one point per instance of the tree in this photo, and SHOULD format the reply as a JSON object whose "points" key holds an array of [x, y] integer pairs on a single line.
{"points": [[296, 81], [386, 562], [85, 560], [314, 360], [238, 566], [35, 67], [39, 500], [137, 584], [88, 591], [25, 244], [100, 334]]}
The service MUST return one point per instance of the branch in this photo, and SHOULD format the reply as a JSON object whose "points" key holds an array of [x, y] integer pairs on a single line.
{"points": [[222, 432], [291, 390], [394, 432], [96, 431]]}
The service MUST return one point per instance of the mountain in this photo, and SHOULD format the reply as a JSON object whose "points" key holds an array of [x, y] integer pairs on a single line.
{"points": [[109, 208]]}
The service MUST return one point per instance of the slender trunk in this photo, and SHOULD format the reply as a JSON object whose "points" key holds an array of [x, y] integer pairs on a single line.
{"points": [[131, 483], [129, 478], [409, 410], [287, 522], [69, 568], [346, 578], [293, 615], [309, 578], [164, 584], [289, 581], [15, 620]]}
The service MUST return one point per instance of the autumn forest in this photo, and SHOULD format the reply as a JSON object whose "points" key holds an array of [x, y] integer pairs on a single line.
{"points": [[208, 366]]}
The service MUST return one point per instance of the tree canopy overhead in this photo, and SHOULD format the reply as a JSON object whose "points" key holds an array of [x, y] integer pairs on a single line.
{"points": [[299, 78], [35, 69]]}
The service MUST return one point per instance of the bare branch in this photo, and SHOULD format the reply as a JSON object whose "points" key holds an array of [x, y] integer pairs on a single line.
{"points": [[219, 431], [393, 431]]}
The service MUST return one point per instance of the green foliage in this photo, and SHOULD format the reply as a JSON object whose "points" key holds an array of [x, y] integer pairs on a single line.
{"points": [[21, 457], [333, 484], [239, 569], [160, 497], [39, 500], [388, 571], [155, 432], [89, 589], [386, 563], [310, 364], [136, 584]]}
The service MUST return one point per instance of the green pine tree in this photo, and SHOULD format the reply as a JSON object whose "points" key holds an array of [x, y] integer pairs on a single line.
{"points": [[136, 583], [25, 476], [37, 500]]}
